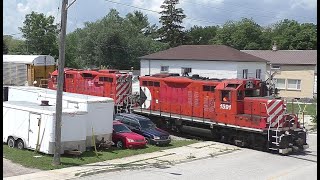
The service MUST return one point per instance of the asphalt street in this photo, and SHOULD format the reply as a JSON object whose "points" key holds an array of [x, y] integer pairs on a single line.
{"points": [[244, 164]]}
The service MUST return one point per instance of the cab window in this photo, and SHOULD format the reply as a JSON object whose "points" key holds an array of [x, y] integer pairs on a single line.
{"points": [[225, 96]]}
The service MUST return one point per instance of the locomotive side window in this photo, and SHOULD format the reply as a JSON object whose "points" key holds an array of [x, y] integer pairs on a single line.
{"points": [[150, 83], [110, 80], [87, 75], [208, 88], [157, 84], [240, 95], [69, 75], [144, 83], [225, 96], [105, 79]]}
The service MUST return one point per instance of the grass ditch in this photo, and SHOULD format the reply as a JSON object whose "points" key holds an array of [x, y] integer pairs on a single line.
{"points": [[44, 162]]}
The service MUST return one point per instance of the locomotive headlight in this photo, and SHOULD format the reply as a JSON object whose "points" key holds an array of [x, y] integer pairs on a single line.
{"points": [[287, 133]]}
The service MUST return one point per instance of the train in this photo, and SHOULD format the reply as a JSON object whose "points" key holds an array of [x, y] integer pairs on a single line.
{"points": [[98, 82], [237, 111]]}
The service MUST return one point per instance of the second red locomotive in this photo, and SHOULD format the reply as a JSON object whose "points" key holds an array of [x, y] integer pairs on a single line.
{"points": [[105, 83]]}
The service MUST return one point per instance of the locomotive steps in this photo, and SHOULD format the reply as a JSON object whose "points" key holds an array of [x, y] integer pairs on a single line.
{"points": [[160, 159]]}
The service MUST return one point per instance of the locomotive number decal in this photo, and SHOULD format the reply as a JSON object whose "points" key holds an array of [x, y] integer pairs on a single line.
{"points": [[225, 106]]}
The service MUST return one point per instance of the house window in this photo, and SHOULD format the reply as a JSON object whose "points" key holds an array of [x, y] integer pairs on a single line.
{"points": [[245, 74], [294, 84], [164, 68], [186, 71], [258, 73], [275, 66], [280, 83]]}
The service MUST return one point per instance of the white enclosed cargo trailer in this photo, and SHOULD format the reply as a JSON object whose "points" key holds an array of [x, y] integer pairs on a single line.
{"points": [[100, 109], [29, 125]]}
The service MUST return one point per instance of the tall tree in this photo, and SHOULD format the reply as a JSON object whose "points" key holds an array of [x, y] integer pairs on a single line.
{"points": [[5, 47], [40, 33], [171, 20]]}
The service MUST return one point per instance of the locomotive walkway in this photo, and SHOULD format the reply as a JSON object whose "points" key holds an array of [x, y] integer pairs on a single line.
{"points": [[160, 159]]}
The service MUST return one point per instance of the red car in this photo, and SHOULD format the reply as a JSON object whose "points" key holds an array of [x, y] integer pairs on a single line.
{"points": [[123, 137]]}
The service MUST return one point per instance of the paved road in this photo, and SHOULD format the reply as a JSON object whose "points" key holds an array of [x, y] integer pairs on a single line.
{"points": [[13, 169], [245, 164]]}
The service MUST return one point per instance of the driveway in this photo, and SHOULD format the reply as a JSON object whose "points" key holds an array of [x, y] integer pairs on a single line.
{"points": [[13, 169]]}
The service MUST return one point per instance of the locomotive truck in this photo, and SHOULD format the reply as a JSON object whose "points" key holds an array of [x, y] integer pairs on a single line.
{"points": [[235, 110], [105, 83]]}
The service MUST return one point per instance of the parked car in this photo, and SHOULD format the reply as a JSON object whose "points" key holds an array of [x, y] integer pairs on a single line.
{"points": [[144, 126], [123, 137]]}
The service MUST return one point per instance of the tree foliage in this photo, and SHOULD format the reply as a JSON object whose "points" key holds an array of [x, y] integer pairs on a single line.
{"points": [[200, 35], [5, 47], [171, 19], [287, 34], [40, 33], [15, 46], [113, 42]]}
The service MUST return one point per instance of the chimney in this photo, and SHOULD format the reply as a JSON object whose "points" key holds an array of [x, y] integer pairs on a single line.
{"points": [[274, 47], [44, 103]]}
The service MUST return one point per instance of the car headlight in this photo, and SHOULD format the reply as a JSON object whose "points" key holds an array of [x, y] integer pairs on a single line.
{"points": [[130, 140], [156, 137]]}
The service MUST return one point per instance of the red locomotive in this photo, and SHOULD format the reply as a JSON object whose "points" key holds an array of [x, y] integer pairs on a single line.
{"points": [[105, 83], [235, 110]]}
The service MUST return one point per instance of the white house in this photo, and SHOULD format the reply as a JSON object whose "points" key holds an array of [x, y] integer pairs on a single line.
{"points": [[213, 61]]}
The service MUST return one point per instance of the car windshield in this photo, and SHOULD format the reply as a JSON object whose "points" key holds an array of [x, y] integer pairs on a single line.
{"points": [[147, 124], [120, 128]]}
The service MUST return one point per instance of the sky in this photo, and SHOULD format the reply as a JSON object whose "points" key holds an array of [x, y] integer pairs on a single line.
{"points": [[198, 12]]}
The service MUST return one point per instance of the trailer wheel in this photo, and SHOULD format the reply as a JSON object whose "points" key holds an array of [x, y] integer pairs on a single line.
{"points": [[20, 144], [119, 144], [11, 142]]}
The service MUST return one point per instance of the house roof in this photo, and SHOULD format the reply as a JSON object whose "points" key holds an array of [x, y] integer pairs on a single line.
{"points": [[203, 52], [304, 57]]}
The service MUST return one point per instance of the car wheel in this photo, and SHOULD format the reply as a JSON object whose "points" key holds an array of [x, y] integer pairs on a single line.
{"points": [[119, 144], [148, 140], [20, 144], [11, 142]]}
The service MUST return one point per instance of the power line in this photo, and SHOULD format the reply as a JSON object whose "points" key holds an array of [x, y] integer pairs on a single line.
{"points": [[145, 9], [192, 19]]}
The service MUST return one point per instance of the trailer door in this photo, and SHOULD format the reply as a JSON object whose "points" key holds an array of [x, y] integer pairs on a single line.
{"points": [[34, 123]]}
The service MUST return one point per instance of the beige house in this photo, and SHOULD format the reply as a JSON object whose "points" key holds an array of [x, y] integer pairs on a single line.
{"points": [[295, 71]]}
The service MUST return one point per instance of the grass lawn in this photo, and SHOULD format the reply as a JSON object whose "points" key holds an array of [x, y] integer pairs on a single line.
{"points": [[309, 110], [27, 159]]}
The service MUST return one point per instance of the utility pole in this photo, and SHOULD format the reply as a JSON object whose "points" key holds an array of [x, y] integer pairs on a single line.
{"points": [[61, 62], [57, 147]]}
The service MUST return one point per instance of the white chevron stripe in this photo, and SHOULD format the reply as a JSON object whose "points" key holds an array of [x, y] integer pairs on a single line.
{"points": [[273, 105]]}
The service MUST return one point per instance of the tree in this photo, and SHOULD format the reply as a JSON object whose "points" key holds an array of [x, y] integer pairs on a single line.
{"points": [[244, 34], [171, 20], [40, 33], [15, 46], [201, 35], [113, 41], [5, 47]]}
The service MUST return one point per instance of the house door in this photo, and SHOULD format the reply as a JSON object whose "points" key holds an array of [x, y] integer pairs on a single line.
{"points": [[34, 122]]}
